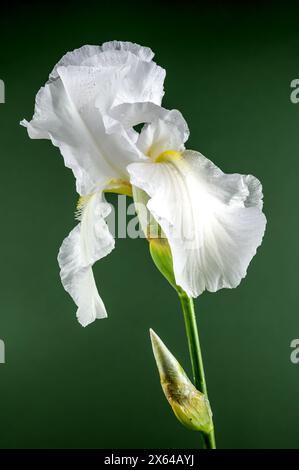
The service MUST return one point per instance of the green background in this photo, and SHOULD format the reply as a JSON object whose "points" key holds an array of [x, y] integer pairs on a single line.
{"points": [[229, 70]]}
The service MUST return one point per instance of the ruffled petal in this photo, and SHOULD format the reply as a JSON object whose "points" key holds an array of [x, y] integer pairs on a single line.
{"points": [[73, 108], [144, 53], [163, 129], [88, 242], [75, 128], [73, 123], [93, 55], [213, 221]]}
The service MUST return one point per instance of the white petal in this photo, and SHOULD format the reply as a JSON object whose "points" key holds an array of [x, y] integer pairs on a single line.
{"points": [[65, 113], [73, 108], [164, 129], [88, 242], [93, 55], [144, 53], [129, 80], [116, 72], [131, 114], [213, 221], [84, 55], [169, 132]]}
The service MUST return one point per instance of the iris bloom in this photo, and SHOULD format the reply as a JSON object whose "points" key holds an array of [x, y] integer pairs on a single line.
{"points": [[213, 221]]}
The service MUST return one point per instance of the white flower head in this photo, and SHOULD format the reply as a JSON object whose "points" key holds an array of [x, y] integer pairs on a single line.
{"points": [[89, 107]]}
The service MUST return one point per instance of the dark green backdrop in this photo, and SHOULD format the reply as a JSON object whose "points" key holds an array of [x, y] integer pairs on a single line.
{"points": [[228, 70]]}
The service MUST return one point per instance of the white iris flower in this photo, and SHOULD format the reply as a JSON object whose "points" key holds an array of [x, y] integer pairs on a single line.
{"points": [[88, 109]]}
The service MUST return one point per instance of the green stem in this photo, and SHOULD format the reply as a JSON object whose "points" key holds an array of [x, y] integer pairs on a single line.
{"points": [[196, 357]]}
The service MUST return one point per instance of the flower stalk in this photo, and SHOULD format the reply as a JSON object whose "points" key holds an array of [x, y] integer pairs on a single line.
{"points": [[162, 257], [196, 357]]}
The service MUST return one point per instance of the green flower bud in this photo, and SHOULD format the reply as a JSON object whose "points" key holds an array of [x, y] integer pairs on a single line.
{"points": [[162, 257], [159, 247], [190, 406]]}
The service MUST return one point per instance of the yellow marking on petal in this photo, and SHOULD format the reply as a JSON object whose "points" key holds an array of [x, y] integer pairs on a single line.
{"points": [[168, 156], [119, 186], [83, 200]]}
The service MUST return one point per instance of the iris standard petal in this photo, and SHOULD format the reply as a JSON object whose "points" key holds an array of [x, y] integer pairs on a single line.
{"points": [[213, 221], [164, 129], [76, 130], [88, 242], [73, 108], [93, 55]]}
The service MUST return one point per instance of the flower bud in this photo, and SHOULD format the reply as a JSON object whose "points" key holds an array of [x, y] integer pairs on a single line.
{"points": [[159, 247], [190, 406], [162, 257]]}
